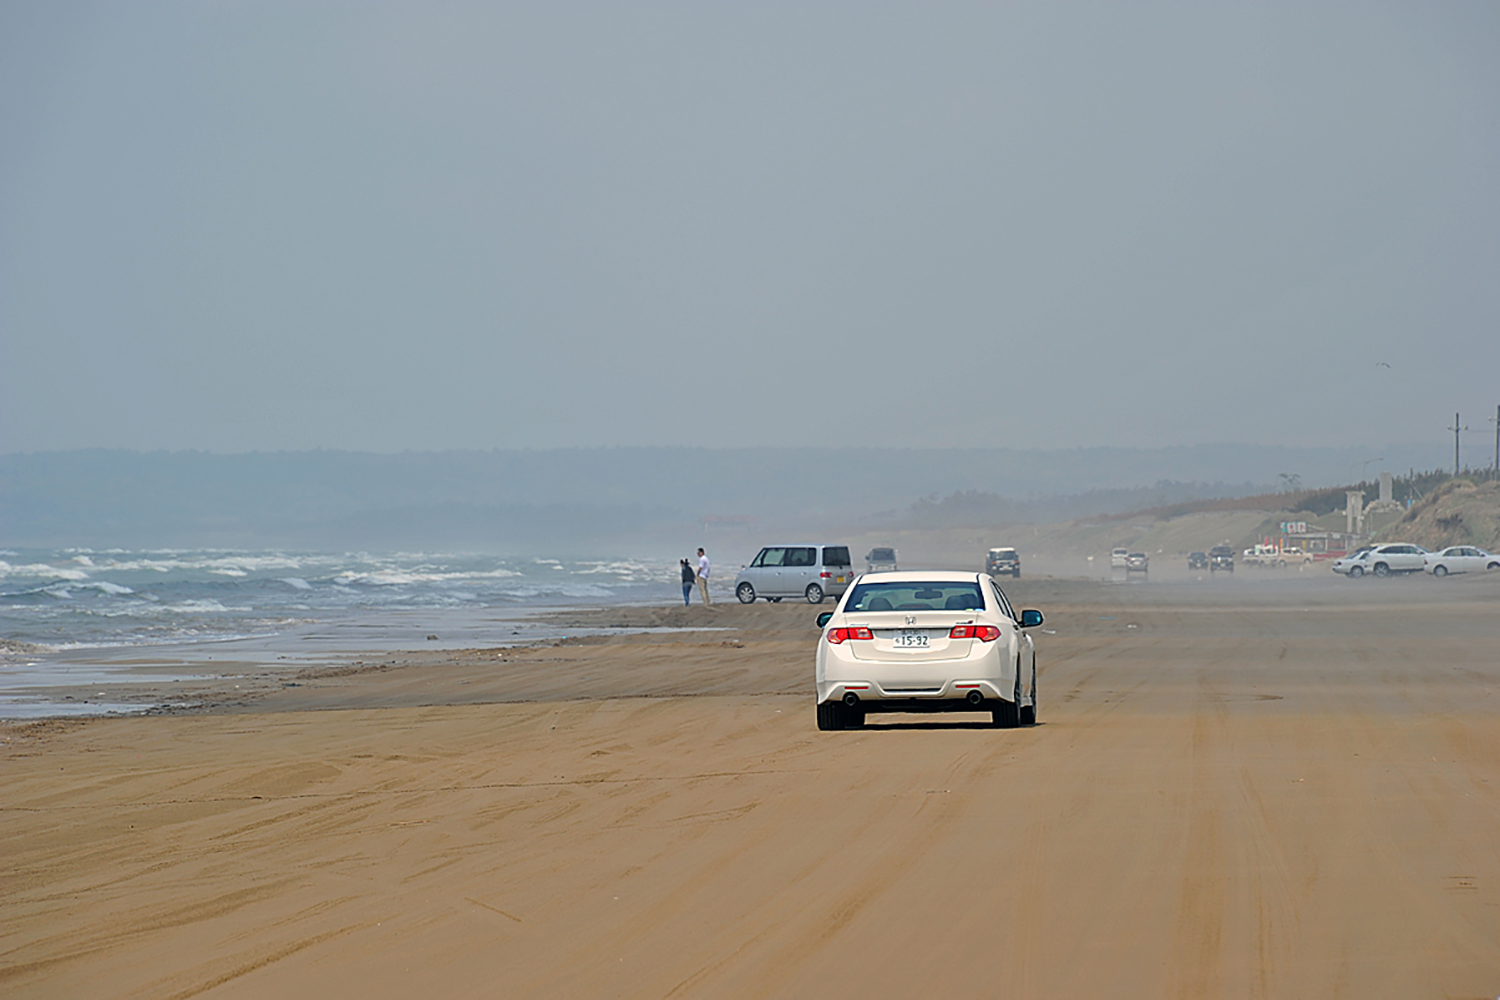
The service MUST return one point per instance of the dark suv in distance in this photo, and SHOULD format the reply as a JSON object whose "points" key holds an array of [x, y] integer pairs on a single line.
{"points": [[1221, 557], [1003, 561], [1197, 560]]}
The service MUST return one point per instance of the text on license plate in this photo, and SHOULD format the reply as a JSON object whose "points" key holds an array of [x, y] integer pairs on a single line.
{"points": [[910, 638], [840, 579]]}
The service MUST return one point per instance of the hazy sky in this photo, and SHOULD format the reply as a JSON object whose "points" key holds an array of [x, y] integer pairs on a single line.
{"points": [[253, 225]]}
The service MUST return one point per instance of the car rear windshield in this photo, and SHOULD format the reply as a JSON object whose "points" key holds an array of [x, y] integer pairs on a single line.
{"points": [[915, 596], [835, 555], [885, 555], [1005, 555]]}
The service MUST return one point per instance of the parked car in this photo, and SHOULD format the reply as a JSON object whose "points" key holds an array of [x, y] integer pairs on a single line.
{"points": [[1001, 561], [1460, 559], [1137, 562], [880, 560], [1221, 557], [808, 571], [925, 642], [1270, 555], [1383, 560], [1117, 558], [1343, 564], [1197, 560]]}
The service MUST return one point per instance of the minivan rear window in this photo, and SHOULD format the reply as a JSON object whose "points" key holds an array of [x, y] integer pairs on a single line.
{"points": [[838, 555]]}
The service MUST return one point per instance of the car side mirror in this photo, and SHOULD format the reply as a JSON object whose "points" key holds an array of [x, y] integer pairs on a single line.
{"points": [[1030, 618], [824, 619]]}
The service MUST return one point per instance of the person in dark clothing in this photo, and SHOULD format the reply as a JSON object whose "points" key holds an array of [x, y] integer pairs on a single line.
{"points": [[688, 579]]}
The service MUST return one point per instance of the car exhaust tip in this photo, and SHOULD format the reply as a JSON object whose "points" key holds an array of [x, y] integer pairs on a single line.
{"points": [[851, 699], [975, 698]]}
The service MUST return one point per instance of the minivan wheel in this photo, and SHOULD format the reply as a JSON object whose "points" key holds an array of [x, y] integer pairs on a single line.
{"points": [[1381, 569], [814, 594], [746, 593], [830, 716]]}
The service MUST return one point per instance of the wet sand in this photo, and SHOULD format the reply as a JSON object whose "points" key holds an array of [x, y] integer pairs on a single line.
{"points": [[1256, 791]]}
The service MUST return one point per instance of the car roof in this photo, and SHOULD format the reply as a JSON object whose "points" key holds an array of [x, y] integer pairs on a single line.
{"points": [[925, 576], [799, 545]]}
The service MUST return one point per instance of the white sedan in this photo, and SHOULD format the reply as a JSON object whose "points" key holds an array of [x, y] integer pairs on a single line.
{"points": [[1460, 559], [1383, 560], [926, 642]]}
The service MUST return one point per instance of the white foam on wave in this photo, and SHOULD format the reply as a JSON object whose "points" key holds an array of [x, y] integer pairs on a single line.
{"points": [[107, 587], [400, 577], [43, 570], [199, 607], [296, 583]]}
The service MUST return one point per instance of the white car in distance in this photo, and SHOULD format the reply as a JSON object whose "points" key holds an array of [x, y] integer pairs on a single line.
{"points": [[925, 642], [1460, 559], [1383, 560]]}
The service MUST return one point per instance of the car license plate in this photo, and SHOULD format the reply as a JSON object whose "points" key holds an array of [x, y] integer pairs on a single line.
{"points": [[910, 638], [840, 579]]}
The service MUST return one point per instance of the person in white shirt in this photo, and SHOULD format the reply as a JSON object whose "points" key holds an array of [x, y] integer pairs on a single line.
{"points": [[703, 577]]}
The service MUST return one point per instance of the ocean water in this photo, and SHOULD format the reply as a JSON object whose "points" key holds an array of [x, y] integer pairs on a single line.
{"points": [[84, 598], [88, 618]]}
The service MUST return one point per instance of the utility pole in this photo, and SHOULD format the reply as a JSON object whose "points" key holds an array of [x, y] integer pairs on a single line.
{"points": [[1456, 429], [1496, 418]]}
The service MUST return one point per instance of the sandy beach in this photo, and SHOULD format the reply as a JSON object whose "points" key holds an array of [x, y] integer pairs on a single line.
{"points": [[1238, 789]]}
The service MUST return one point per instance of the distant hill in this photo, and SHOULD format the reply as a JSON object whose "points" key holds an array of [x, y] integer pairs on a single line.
{"points": [[1457, 513], [593, 500]]}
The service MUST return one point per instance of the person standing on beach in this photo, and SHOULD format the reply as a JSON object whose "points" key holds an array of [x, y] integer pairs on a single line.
{"points": [[703, 577], [687, 582]]}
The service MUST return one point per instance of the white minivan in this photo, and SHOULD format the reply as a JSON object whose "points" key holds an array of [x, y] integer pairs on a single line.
{"points": [[811, 572]]}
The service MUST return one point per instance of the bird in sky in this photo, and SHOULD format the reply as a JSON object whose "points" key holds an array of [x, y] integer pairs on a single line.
{"points": [[1381, 364]]}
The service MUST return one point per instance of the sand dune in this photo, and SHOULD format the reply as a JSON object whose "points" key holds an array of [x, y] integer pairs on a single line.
{"points": [[1253, 792]]}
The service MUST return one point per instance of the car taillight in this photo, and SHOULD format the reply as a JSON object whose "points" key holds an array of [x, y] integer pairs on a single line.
{"points": [[984, 633], [826, 575], [838, 635]]}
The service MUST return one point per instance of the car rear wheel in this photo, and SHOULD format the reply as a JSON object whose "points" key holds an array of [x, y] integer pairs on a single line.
{"points": [[814, 594], [830, 716], [746, 593], [1028, 713], [1381, 569], [1440, 571], [1356, 572], [1007, 714]]}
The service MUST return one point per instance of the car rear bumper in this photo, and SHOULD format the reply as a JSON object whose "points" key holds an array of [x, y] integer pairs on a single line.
{"points": [[950, 696]]}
